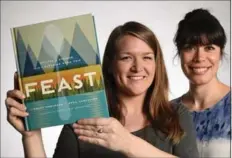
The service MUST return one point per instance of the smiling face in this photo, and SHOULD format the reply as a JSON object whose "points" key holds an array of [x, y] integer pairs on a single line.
{"points": [[134, 66], [200, 63]]}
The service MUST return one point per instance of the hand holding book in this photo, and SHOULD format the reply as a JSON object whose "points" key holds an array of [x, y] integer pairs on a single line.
{"points": [[16, 111]]}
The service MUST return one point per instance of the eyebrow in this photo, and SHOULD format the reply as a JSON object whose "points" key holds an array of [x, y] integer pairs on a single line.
{"points": [[144, 53]]}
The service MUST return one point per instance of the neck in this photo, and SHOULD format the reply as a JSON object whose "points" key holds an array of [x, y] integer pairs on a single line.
{"points": [[132, 109], [200, 97], [132, 104]]}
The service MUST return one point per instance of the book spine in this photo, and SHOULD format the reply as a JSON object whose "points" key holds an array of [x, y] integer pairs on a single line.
{"points": [[95, 30], [25, 120], [98, 52]]}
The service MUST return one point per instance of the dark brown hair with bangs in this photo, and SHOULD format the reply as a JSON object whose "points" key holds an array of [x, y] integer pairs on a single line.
{"points": [[157, 108], [199, 27]]}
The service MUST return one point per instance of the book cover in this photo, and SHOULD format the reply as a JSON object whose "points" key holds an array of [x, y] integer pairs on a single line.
{"points": [[59, 71]]}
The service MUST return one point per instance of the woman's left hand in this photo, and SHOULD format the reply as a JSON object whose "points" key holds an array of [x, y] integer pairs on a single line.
{"points": [[106, 132]]}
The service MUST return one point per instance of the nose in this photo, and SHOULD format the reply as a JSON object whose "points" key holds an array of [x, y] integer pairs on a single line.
{"points": [[137, 65], [199, 55]]}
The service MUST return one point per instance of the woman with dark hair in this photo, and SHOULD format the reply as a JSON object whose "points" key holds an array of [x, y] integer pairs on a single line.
{"points": [[200, 41], [142, 124]]}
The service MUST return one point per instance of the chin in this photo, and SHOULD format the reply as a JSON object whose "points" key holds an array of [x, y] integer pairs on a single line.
{"points": [[136, 92], [199, 82]]}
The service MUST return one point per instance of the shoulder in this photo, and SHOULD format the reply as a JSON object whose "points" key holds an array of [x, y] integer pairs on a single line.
{"points": [[227, 98], [179, 107], [185, 117], [187, 146], [223, 105], [176, 100]]}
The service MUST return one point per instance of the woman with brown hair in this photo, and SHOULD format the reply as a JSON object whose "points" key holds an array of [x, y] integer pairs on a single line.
{"points": [[142, 122]]}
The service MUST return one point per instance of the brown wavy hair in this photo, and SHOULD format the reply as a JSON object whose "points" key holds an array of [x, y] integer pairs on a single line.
{"points": [[157, 107]]}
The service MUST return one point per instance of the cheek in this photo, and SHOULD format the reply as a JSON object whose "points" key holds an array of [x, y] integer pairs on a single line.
{"points": [[214, 59], [185, 58], [151, 69], [119, 71], [216, 64], [184, 63]]}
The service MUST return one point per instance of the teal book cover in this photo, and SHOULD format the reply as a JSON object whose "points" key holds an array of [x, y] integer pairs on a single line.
{"points": [[59, 70]]}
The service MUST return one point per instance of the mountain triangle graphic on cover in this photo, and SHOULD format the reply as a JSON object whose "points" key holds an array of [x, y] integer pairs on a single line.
{"points": [[80, 53], [32, 56], [60, 64], [75, 59], [47, 56], [47, 51], [21, 49], [81, 44], [65, 50], [29, 68]]}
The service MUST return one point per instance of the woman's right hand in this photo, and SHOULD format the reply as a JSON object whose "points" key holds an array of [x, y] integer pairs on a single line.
{"points": [[16, 110]]}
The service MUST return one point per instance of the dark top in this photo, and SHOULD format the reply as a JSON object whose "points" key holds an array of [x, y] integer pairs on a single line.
{"points": [[69, 146]]}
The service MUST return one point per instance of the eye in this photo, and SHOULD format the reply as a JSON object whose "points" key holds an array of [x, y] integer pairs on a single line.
{"points": [[148, 58], [188, 48], [209, 48], [125, 58]]}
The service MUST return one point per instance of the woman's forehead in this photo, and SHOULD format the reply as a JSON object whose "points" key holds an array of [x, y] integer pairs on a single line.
{"points": [[135, 53], [130, 44], [197, 40]]}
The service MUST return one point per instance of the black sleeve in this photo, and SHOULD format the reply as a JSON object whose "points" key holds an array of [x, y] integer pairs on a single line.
{"points": [[67, 145], [187, 147]]}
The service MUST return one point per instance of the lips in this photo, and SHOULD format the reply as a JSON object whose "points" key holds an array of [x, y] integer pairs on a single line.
{"points": [[199, 70], [136, 78]]}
